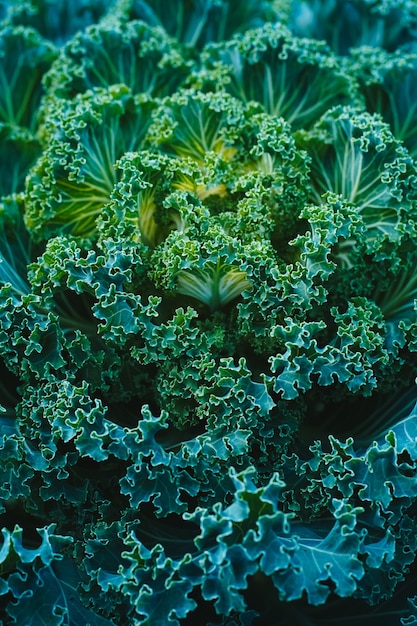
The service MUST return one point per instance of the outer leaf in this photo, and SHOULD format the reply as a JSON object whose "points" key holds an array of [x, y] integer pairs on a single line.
{"points": [[64, 412], [153, 576], [73, 179], [24, 59], [355, 155], [53, 590], [197, 21], [141, 57], [388, 84], [16, 249], [297, 79], [10, 12], [16, 461], [385, 23], [58, 21], [19, 149], [38, 349], [298, 562]]}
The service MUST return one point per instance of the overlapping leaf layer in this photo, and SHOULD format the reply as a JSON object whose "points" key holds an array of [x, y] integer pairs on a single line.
{"points": [[208, 327]]}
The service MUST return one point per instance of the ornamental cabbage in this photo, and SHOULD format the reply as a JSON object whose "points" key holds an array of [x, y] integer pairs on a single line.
{"points": [[208, 312]]}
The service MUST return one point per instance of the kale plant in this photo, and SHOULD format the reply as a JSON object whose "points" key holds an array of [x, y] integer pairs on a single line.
{"points": [[208, 312]]}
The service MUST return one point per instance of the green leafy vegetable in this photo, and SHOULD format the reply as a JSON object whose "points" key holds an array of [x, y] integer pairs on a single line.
{"points": [[208, 313]]}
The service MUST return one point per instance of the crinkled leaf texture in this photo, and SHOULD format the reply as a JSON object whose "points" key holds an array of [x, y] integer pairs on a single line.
{"points": [[208, 313], [53, 590], [41, 585]]}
